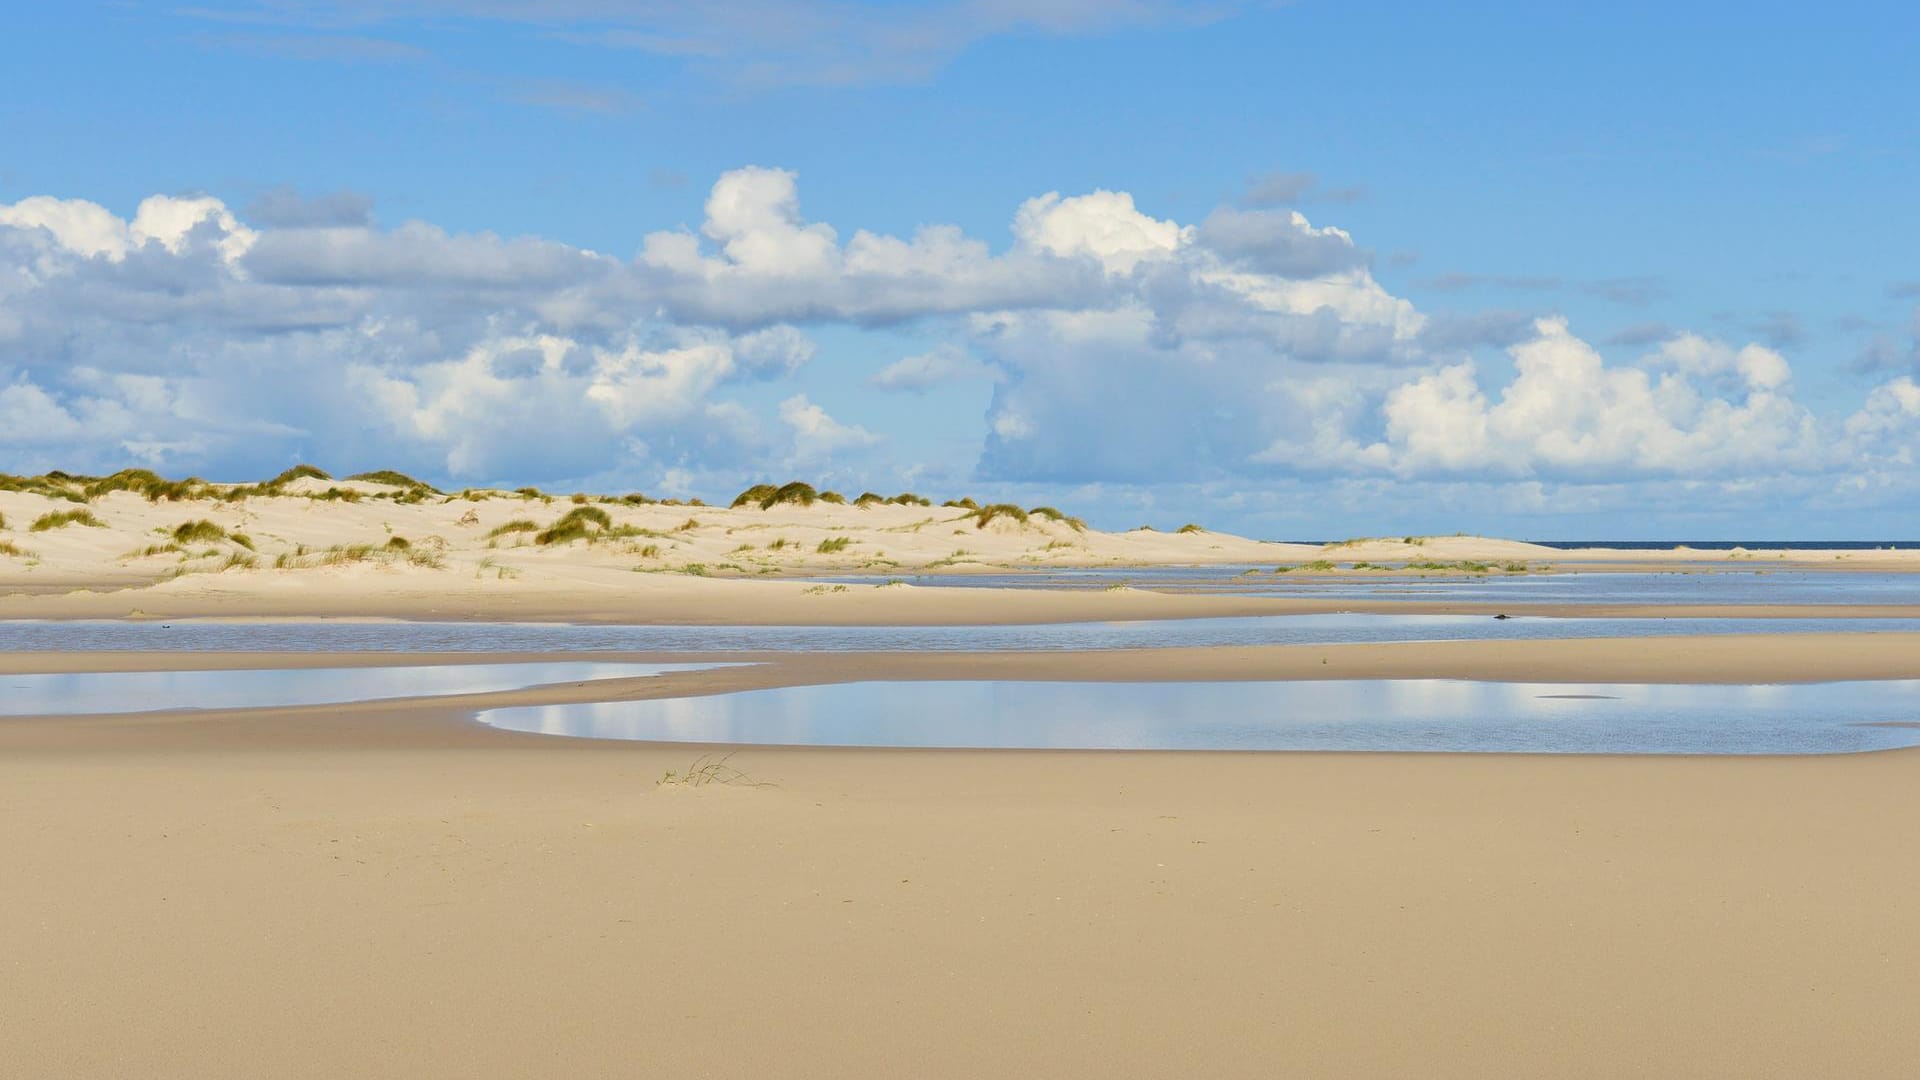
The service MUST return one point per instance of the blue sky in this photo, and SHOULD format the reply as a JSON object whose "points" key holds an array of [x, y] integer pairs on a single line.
{"points": [[1619, 271]]}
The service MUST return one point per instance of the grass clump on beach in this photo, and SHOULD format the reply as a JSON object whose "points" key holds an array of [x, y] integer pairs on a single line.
{"points": [[52, 486], [1190, 527], [767, 496], [60, 519], [1054, 514], [576, 524], [13, 550], [300, 472], [708, 769], [394, 481], [836, 544], [206, 532], [982, 515], [147, 483]]}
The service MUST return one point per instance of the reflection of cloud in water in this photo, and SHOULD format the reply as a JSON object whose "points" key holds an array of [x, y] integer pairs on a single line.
{"points": [[152, 691], [1413, 714]]}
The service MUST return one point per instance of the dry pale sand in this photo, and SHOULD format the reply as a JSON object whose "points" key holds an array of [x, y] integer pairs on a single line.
{"points": [[399, 893]]}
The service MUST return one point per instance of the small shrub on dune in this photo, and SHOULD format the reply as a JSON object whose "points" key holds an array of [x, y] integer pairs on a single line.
{"points": [[517, 525], [60, 519], [13, 550], [836, 544], [688, 525], [1191, 527], [869, 498], [636, 499], [399, 543], [908, 498], [985, 514], [833, 497], [962, 504], [531, 493]]}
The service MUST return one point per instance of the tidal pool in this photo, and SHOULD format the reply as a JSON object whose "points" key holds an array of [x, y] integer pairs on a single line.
{"points": [[1364, 715], [1722, 584], [341, 635], [162, 691]]}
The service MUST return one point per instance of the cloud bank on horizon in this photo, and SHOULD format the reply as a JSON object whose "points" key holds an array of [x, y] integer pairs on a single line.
{"points": [[1250, 349]]}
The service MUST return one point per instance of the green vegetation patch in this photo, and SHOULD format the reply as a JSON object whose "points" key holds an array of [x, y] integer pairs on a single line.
{"points": [[60, 519]]}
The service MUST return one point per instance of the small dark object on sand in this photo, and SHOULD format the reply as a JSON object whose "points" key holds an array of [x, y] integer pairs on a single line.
{"points": [[1503, 616]]}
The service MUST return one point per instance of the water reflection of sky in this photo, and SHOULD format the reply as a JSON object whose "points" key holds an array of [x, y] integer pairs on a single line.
{"points": [[153, 691], [1720, 586], [343, 636], [1376, 715]]}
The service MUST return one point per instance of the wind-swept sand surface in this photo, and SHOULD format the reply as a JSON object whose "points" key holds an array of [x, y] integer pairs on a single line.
{"points": [[390, 893]]}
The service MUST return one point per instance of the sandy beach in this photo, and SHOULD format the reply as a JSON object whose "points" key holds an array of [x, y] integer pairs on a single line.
{"points": [[389, 889], [403, 893]]}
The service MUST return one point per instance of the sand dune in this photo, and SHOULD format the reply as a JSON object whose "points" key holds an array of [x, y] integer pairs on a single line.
{"points": [[318, 547]]}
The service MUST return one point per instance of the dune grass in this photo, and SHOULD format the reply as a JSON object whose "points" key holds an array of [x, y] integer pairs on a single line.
{"points": [[13, 550], [198, 532], [833, 545], [1054, 514], [60, 519], [985, 514], [1464, 566], [300, 472], [147, 483], [579, 523], [767, 496], [962, 504], [517, 525], [1190, 527], [393, 478], [1317, 566]]}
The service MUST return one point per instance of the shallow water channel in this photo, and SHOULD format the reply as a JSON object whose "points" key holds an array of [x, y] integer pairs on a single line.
{"points": [[1357, 715], [339, 635], [93, 693]]}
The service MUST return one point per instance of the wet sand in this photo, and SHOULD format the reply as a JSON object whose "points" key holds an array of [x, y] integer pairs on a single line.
{"points": [[393, 892]]}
